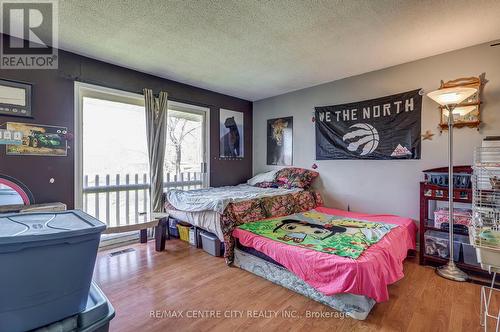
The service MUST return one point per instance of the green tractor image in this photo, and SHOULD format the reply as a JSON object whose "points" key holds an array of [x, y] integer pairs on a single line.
{"points": [[37, 139]]}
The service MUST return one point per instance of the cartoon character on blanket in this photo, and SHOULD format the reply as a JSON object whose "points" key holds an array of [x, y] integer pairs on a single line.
{"points": [[321, 232]]}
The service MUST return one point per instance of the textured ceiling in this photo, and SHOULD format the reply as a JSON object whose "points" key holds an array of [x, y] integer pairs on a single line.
{"points": [[257, 49]]}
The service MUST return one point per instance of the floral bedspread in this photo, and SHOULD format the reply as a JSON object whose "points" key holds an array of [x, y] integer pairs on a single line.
{"points": [[239, 213]]}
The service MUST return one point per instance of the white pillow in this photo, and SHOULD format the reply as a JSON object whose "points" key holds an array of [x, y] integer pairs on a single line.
{"points": [[262, 177]]}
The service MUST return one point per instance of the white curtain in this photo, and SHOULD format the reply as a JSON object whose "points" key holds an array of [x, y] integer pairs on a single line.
{"points": [[156, 129]]}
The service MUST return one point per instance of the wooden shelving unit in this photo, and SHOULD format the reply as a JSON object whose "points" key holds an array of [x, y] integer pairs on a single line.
{"points": [[431, 192]]}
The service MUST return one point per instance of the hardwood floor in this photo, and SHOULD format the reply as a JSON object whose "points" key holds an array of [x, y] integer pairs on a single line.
{"points": [[186, 280]]}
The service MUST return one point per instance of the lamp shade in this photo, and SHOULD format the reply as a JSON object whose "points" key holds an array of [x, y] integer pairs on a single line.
{"points": [[451, 96]]}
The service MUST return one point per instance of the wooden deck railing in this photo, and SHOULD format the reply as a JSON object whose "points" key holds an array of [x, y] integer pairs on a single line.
{"points": [[124, 200]]}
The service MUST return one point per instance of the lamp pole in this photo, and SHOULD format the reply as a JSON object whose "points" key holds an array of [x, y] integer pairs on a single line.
{"points": [[450, 270]]}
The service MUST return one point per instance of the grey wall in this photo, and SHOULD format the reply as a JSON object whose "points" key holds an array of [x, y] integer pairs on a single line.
{"points": [[384, 186]]}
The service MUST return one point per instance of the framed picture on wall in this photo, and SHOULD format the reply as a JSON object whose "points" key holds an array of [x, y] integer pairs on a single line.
{"points": [[280, 141], [231, 134], [15, 98], [39, 140]]}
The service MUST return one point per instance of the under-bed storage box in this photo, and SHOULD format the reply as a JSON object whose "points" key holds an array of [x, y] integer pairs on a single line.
{"points": [[172, 227], [211, 244], [47, 261]]}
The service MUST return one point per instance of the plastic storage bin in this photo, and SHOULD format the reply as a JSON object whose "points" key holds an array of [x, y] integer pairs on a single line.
{"points": [[211, 244], [460, 217], [436, 244], [470, 256], [172, 227], [46, 260], [488, 258], [94, 318], [192, 236], [183, 232]]}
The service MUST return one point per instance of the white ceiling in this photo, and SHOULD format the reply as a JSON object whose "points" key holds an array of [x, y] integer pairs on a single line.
{"points": [[256, 49]]}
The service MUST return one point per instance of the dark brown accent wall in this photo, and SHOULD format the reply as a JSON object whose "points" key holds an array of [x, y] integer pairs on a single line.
{"points": [[53, 104]]}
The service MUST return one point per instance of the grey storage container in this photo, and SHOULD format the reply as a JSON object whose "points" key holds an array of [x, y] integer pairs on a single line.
{"points": [[436, 244], [95, 317], [211, 244], [47, 260], [470, 256]]}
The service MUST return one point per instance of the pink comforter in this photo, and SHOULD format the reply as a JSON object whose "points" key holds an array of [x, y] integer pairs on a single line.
{"points": [[369, 275]]}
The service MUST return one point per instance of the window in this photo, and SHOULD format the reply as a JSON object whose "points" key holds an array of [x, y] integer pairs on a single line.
{"points": [[187, 150], [112, 158], [112, 181]]}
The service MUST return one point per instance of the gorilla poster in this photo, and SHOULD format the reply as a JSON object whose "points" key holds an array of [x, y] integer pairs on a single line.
{"points": [[231, 134], [280, 141], [384, 128]]}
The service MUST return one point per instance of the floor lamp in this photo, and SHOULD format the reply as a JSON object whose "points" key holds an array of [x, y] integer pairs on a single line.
{"points": [[450, 98]]}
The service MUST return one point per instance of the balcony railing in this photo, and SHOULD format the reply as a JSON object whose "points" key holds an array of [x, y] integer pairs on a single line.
{"points": [[123, 200]]}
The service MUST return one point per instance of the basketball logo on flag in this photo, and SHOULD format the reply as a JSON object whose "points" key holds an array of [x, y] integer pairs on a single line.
{"points": [[364, 136]]}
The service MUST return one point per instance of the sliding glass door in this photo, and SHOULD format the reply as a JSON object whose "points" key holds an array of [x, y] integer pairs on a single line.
{"points": [[112, 181], [114, 157], [186, 154]]}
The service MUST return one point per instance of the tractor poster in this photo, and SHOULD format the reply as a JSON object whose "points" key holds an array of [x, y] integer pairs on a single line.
{"points": [[39, 140]]}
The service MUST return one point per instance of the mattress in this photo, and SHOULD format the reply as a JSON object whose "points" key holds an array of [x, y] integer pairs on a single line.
{"points": [[354, 306], [369, 275], [207, 220]]}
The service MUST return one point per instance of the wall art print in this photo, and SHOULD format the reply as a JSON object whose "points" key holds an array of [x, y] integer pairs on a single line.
{"points": [[280, 141], [231, 134], [39, 140]]}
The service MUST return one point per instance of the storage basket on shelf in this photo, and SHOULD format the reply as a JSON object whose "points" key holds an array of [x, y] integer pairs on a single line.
{"points": [[460, 217], [460, 180], [485, 229], [437, 244]]}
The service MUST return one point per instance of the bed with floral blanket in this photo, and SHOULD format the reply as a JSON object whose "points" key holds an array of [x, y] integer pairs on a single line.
{"points": [[239, 212], [220, 210], [335, 252]]}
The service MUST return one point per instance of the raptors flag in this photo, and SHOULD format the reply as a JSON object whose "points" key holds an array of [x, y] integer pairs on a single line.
{"points": [[382, 128]]}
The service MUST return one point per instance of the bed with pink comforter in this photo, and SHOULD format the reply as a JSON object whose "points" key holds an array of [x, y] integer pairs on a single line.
{"points": [[369, 275]]}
